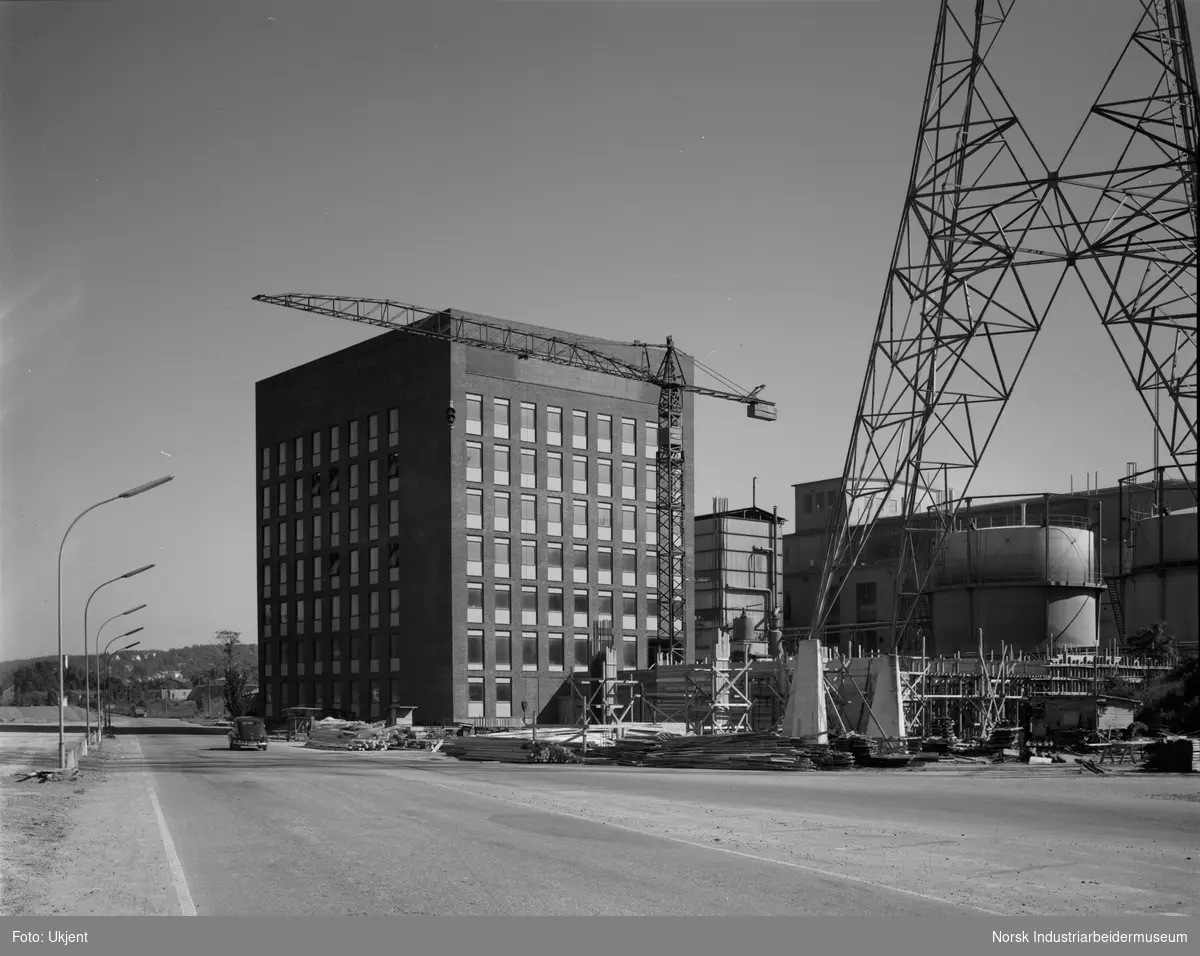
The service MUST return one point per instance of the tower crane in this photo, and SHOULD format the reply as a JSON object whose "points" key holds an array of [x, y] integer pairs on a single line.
{"points": [[486, 332]]}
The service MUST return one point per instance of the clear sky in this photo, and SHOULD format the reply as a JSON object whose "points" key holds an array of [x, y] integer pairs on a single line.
{"points": [[729, 173]]}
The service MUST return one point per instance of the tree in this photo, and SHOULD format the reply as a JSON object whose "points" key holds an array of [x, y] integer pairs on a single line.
{"points": [[1152, 643], [237, 695]]}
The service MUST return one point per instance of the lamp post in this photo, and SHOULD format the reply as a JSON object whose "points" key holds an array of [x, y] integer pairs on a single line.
{"points": [[87, 679], [62, 735], [96, 645], [108, 658]]}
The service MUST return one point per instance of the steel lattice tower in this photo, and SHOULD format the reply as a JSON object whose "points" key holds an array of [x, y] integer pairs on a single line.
{"points": [[989, 233]]}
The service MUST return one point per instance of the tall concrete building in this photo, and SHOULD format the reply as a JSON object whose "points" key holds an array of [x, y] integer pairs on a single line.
{"points": [[456, 568]]}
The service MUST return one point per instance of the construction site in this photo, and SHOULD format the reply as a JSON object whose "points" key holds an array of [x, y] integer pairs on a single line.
{"points": [[903, 620]]}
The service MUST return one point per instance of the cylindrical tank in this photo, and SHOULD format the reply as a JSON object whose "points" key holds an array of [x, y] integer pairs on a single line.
{"points": [[1162, 585], [1023, 585], [1170, 539]]}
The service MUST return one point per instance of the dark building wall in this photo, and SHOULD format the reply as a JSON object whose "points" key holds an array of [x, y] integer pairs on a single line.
{"points": [[391, 371]]}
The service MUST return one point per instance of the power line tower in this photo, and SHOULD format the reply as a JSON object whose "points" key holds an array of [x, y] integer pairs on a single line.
{"points": [[989, 233]]}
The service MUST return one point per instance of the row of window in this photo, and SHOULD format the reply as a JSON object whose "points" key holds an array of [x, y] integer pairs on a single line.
{"points": [[278, 614], [293, 452], [275, 538], [583, 477], [330, 482]]}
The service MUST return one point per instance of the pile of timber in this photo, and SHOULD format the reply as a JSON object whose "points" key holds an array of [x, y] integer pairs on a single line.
{"points": [[332, 734], [731, 752], [1174, 755]]}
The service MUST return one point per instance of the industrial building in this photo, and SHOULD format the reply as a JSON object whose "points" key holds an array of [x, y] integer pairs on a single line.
{"points": [[421, 544], [1037, 573]]}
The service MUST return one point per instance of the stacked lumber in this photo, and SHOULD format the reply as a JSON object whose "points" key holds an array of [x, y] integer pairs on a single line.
{"points": [[334, 734], [1174, 755], [730, 752]]}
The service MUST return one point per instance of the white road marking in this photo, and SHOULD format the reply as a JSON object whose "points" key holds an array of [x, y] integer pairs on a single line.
{"points": [[186, 906]]}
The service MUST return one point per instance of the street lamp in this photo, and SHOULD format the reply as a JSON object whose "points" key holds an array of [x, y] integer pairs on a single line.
{"points": [[87, 680], [62, 735], [96, 645], [108, 657]]}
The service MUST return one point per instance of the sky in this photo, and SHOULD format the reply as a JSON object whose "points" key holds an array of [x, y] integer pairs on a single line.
{"points": [[731, 174]]}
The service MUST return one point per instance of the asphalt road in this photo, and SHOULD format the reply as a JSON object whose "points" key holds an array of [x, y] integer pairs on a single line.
{"points": [[295, 831]]}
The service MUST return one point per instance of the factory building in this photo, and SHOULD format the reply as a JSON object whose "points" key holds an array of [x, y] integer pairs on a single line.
{"points": [[739, 555], [459, 568], [1037, 573]]}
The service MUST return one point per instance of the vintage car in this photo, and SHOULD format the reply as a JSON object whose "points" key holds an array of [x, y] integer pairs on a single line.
{"points": [[248, 732]]}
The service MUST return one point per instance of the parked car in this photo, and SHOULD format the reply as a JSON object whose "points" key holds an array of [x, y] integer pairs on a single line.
{"points": [[139, 710], [248, 732]]}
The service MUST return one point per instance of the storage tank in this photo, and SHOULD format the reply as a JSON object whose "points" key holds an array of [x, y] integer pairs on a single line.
{"points": [[1024, 585], [1162, 584]]}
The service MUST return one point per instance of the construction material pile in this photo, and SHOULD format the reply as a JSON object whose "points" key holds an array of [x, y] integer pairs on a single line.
{"points": [[520, 747], [1174, 755], [731, 752], [333, 734]]}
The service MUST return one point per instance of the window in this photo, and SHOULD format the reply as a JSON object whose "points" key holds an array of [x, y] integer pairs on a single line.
{"points": [[298, 536], [604, 521], [579, 431], [373, 521], [298, 494], [807, 503], [283, 498], [503, 646], [372, 433], [394, 609], [652, 569], [283, 619], [372, 477], [394, 561], [528, 514], [500, 520], [864, 594], [354, 526], [475, 603], [283, 578], [528, 468], [318, 624], [317, 568], [604, 433], [652, 527], [354, 481], [529, 560], [335, 528], [283, 529], [651, 440], [266, 541], [554, 514], [354, 615], [554, 651], [301, 566], [503, 609], [529, 651], [355, 562], [553, 425], [299, 457], [583, 652], [579, 522], [629, 652], [335, 622], [500, 417], [503, 696], [474, 696], [315, 488], [475, 650], [474, 508], [393, 471], [629, 611], [334, 443], [267, 614], [266, 501], [281, 461], [394, 518], [580, 565], [529, 605], [581, 607], [474, 461], [555, 604], [554, 474], [266, 462], [335, 570], [266, 580], [579, 475], [628, 437], [373, 609], [628, 524], [352, 440], [373, 565], [651, 489], [554, 561], [604, 605], [604, 566], [474, 555], [502, 569], [528, 421], [628, 480], [604, 478], [629, 567], [335, 486], [651, 612], [393, 426], [474, 414], [316, 449], [500, 467]]}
